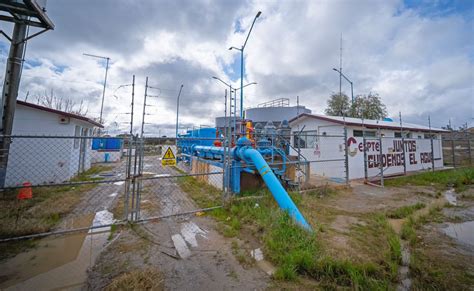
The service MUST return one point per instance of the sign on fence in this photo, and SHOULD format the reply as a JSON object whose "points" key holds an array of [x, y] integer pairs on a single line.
{"points": [[168, 159]]}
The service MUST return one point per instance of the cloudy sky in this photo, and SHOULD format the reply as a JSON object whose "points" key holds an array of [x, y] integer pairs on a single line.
{"points": [[418, 55]]}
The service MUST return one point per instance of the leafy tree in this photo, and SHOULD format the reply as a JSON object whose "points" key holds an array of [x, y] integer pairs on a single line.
{"points": [[368, 107], [338, 105], [365, 106]]}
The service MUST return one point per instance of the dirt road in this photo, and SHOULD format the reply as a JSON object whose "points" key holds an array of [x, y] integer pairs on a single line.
{"points": [[187, 249]]}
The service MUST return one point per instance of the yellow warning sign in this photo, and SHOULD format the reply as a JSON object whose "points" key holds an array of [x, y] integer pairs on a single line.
{"points": [[168, 159]]}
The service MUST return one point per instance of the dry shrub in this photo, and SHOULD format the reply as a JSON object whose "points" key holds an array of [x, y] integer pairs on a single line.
{"points": [[146, 279]]}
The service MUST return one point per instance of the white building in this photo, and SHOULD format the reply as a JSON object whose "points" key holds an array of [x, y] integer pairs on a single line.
{"points": [[322, 141], [36, 158]]}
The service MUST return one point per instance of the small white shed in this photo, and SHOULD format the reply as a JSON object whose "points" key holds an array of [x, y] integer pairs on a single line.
{"points": [[321, 140], [43, 149]]}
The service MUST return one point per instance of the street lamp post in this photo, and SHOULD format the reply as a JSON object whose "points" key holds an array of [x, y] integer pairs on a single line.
{"points": [[242, 65], [105, 82], [177, 112], [350, 82]]}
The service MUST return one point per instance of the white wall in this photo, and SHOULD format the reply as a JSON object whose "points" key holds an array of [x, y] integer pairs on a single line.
{"points": [[417, 157], [43, 160]]}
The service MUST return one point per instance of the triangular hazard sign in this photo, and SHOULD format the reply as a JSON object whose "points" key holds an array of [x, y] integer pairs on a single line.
{"points": [[169, 155]]}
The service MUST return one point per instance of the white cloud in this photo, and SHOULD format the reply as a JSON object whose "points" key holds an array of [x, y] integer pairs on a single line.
{"points": [[420, 65]]}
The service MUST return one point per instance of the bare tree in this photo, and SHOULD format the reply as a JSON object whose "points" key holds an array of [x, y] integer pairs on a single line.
{"points": [[61, 103]]}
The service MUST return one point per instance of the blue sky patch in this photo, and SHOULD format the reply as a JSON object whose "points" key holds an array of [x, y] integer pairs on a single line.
{"points": [[238, 27], [233, 70], [441, 8]]}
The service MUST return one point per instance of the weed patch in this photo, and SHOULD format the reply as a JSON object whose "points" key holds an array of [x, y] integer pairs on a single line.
{"points": [[147, 279], [458, 178], [405, 211]]}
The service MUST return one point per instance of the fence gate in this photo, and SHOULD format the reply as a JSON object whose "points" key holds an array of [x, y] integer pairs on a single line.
{"points": [[157, 190]]}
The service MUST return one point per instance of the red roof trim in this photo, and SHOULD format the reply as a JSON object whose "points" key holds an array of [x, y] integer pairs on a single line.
{"points": [[360, 124], [59, 112]]}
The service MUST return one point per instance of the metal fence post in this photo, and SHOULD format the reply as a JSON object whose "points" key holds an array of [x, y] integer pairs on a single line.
{"points": [[432, 149], [469, 146], [452, 149], [381, 161], [432, 154], [346, 156], [140, 173], [128, 177], [403, 145], [366, 171], [134, 180]]}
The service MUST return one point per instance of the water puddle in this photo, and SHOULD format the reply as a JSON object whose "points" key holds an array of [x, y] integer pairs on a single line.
{"points": [[105, 175], [404, 269], [58, 262], [462, 232]]}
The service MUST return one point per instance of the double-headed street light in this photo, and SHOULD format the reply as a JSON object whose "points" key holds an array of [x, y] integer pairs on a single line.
{"points": [[350, 82], [242, 65], [233, 90]]}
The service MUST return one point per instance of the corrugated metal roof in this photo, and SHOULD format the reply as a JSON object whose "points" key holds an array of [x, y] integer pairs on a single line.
{"points": [[369, 123]]}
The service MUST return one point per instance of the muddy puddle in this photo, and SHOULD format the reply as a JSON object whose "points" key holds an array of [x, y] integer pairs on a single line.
{"points": [[58, 262], [462, 232]]}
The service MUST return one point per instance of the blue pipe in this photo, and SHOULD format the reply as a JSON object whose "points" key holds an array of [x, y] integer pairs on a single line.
{"points": [[277, 190], [245, 152]]}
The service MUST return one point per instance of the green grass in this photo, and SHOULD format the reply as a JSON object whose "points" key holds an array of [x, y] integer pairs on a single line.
{"points": [[405, 211], [458, 178], [204, 194], [294, 251]]}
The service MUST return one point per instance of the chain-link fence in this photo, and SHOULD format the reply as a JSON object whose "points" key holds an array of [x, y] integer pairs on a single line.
{"points": [[385, 157], [59, 183], [164, 190], [458, 149], [320, 160]]}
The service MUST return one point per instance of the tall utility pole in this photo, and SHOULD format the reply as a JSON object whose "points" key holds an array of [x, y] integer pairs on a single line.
{"points": [[144, 108], [133, 100], [340, 67], [242, 66], [107, 59], [350, 82], [23, 14], [177, 112]]}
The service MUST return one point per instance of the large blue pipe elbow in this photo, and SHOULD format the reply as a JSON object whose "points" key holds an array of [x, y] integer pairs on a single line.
{"points": [[244, 152], [273, 184]]}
